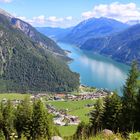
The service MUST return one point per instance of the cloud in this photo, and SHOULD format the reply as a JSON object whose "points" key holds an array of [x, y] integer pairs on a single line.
{"points": [[41, 20], [69, 18], [55, 19], [116, 10], [51, 21], [6, 1]]}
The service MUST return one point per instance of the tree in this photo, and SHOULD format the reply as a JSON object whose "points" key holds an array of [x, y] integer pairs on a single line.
{"points": [[112, 112], [8, 120], [96, 117], [24, 119], [79, 132], [40, 123], [1, 120], [129, 99], [1, 135], [137, 113]]}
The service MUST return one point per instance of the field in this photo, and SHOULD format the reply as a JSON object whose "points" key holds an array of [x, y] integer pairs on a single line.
{"points": [[76, 108], [12, 96], [67, 130]]}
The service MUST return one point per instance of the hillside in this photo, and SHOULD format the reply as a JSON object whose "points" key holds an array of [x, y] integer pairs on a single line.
{"points": [[93, 28], [30, 61], [123, 47]]}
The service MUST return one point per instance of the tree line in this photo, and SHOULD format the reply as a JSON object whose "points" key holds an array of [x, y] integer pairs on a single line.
{"points": [[26, 121], [119, 114]]}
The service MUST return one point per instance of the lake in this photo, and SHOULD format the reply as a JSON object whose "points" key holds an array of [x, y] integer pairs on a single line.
{"points": [[97, 70]]}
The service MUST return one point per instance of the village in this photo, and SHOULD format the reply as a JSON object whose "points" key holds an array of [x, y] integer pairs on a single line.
{"points": [[61, 116]]}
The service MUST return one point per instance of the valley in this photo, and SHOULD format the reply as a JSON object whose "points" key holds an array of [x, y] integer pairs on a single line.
{"points": [[96, 70], [67, 109], [68, 72], [105, 36]]}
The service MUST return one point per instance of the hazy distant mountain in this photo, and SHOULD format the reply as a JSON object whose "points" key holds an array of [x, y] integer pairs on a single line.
{"points": [[30, 61], [93, 28], [54, 33], [123, 47], [133, 22]]}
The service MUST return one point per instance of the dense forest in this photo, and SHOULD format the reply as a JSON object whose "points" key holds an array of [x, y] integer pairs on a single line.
{"points": [[31, 62]]}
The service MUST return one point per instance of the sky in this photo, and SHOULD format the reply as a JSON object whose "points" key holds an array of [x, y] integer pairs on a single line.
{"points": [[67, 13]]}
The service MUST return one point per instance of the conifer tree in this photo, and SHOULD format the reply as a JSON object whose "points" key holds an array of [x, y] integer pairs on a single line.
{"points": [[96, 117], [137, 112], [80, 131], [23, 120], [8, 120], [1, 135], [40, 121], [129, 99], [112, 112]]}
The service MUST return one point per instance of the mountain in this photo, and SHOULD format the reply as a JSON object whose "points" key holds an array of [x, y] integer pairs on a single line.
{"points": [[133, 22], [36, 36], [93, 28], [30, 61], [123, 47], [54, 33]]}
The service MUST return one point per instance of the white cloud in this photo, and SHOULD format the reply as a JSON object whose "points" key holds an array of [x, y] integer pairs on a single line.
{"points": [[51, 21], [40, 19], [22, 18], [54, 19], [35, 20], [87, 14], [69, 18], [6, 1], [118, 11]]}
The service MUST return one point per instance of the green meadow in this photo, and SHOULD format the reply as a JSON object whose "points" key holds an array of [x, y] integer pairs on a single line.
{"points": [[76, 108], [12, 96]]}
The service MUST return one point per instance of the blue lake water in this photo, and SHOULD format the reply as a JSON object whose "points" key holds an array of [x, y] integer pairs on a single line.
{"points": [[97, 70]]}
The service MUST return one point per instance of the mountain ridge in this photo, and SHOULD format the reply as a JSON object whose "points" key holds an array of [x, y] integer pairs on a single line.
{"points": [[108, 37], [123, 47], [26, 65], [93, 28]]}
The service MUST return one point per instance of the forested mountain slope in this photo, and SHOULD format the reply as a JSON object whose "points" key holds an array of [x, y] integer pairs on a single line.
{"points": [[30, 61], [123, 47]]}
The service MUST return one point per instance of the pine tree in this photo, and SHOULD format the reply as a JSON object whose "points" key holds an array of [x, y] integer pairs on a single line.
{"points": [[112, 112], [1, 120], [8, 120], [129, 99], [80, 131], [24, 119], [96, 117], [40, 124], [1, 135], [137, 113]]}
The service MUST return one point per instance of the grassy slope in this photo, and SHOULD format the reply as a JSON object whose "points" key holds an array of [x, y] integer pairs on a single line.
{"points": [[76, 108], [67, 130], [71, 105], [13, 96]]}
